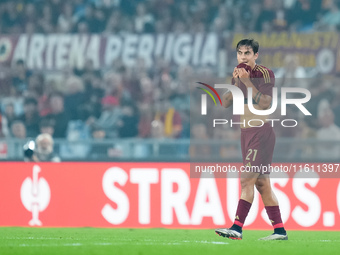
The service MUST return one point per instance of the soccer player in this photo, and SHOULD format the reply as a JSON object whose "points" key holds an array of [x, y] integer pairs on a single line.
{"points": [[257, 140]]}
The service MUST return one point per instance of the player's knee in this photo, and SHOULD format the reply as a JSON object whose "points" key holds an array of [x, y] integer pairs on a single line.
{"points": [[261, 185], [245, 183]]}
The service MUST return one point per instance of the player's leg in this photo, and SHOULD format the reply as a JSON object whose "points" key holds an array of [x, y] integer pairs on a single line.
{"points": [[264, 188], [248, 180], [272, 208]]}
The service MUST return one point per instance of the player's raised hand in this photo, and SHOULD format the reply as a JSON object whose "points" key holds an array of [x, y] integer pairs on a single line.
{"points": [[235, 73], [243, 75], [236, 76]]}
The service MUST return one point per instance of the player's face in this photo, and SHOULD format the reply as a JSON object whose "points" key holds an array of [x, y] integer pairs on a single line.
{"points": [[246, 55]]}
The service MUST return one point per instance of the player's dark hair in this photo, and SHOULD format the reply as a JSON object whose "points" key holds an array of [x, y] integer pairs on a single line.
{"points": [[248, 43]]}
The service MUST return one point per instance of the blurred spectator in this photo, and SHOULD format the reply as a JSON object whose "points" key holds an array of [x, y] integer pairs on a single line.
{"points": [[147, 91], [18, 132], [328, 132], [58, 115], [304, 14], [182, 11], [116, 88], [18, 129], [31, 117], [291, 68], [116, 151], [228, 151], [7, 119], [110, 116], [43, 100], [46, 126], [162, 147], [287, 75], [242, 15], [288, 4], [304, 131], [30, 28], [157, 129], [198, 147], [99, 149], [20, 77], [45, 23], [94, 94], [146, 118], [78, 136], [43, 151], [336, 104], [223, 20], [114, 23], [36, 85], [128, 123], [30, 14], [66, 19], [280, 22], [143, 20], [93, 19], [88, 72], [100, 20], [331, 19], [170, 118], [321, 90], [79, 8], [82, 28], [74, 96], [11, 18], [3, 125], [98, 133], [180, 98], [55, 10], [266, 17]]}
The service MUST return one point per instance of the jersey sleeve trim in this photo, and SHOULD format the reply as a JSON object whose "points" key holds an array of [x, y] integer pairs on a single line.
{"points": [[265, 73]]}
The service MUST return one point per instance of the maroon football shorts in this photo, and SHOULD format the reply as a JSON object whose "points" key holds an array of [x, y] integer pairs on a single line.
{"points": [[257, 144]]}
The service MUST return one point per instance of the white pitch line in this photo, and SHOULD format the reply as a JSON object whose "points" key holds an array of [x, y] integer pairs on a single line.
{"points": [[32, 238], [72, 244], [156, 243], [95, 244], [205, 242], [65, 244], [144, 242], [213, 242], [50, 245]]}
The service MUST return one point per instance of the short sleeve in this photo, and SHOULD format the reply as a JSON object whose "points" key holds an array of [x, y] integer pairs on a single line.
{"points": [[267, 82]]}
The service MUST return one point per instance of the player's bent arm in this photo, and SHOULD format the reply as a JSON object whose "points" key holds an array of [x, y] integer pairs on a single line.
{"points": [[264, 101], [227, 99]]}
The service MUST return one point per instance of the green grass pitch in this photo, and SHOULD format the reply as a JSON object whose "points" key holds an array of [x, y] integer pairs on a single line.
{"points": [[70, 241]]}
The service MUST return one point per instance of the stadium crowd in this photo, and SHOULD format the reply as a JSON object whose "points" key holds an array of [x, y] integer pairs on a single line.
{"points": [[149, 16], [141, 102]]}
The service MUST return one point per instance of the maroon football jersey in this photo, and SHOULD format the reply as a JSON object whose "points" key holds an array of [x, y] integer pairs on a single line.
{"points": [[263, 79]]}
